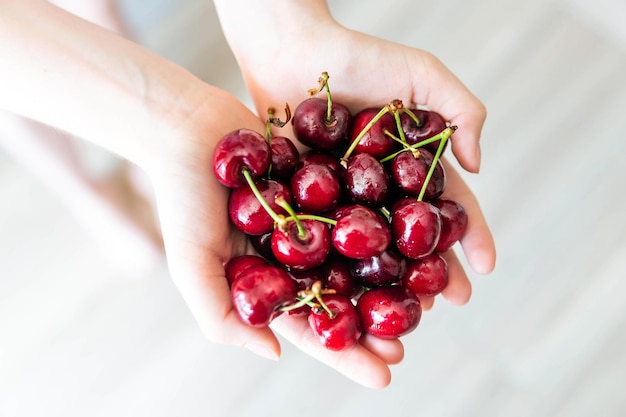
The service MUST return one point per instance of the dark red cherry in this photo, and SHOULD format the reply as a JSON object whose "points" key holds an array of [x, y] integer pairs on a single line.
{"points": [[341, 331], [361, 233], [366, 181], [408, 173], [302, 252], [258, 293], [313, 129], [375, 141], [263, 244], [453, 222], [245, 209], [315, 188], [385, 269], [320, 157], [337, 276], [415, 228], [285, 158], [431, 124], [427, 276], [243, 148], [235, 266], [389, 312]]}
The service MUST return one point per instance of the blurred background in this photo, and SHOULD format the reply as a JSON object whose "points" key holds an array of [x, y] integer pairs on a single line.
{"points": [[543, 336]]}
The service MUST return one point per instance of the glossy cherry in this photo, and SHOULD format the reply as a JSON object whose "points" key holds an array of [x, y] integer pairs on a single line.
{"points": [[408, 173], [239, 149], [389, 312], [375, 141], [285, 158], [337, 276], [315, 188], [302, 252], [430, 124], [313, 129], [385, 269], [426, 277], [415, 228], [361, 233], [366, 181], [453, 222], [246, 212], [235, 266], [343, 329], [258, 293]]}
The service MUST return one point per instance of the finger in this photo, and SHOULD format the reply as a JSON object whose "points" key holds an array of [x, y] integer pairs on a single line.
{"points": [[356, 363], [444, 93], [196, 257], [477, 241], [459, 288], [427, 303], [390, 351]]}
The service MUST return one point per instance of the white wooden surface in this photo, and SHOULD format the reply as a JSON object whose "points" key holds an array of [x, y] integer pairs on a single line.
{"points": [[543, 336]]}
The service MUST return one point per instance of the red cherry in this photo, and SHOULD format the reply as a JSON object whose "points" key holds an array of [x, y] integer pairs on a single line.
{"points": [[453, 222], [298, 252], [285, 158], [320, 157], [385, 269], [258, 293], [315, 188], [337, 276], [431, 124], [415, 228], [247, 213], [409, 174], [427, 276], [366, 180], [389, 312], [375, 141], [311, 127], [341, 331], [235, 266], [238, 150], [361, 233]]}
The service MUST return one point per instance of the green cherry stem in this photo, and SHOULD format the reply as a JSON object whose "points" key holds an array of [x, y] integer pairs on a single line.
{"points": [[312, 217], [413, 116], [324, 80], [447, 132], [279, 219], [292, 216], [355, 142]]}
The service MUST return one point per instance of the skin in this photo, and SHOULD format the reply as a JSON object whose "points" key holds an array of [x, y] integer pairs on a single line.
{"points": [[94, 84], [310, 42]]}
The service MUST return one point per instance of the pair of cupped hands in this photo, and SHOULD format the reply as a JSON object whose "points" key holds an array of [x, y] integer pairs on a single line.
{"points": [[364, 72]]}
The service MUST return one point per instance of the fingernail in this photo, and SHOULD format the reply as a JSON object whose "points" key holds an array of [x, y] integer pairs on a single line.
{"points": [[262, 350], [477, 157]]}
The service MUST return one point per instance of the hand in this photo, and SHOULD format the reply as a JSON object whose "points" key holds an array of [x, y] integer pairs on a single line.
{"points": [[284, 60]]}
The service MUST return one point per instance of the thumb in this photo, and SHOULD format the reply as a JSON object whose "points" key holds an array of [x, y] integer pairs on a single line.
{"points": [[446, 94]]}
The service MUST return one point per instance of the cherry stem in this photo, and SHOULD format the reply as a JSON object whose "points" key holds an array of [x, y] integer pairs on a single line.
{"points": [[412, 115], [313, 217], [396, 116], [355, 142], [280, 220], [280, 200], [306, 297], [446, 133], [324, 82], [318, 291]]}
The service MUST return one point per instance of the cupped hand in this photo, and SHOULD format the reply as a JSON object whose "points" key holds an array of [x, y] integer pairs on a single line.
{"points": [[199, 239]]}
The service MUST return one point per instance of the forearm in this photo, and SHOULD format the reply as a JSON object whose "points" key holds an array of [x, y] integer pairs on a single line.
{"points": [[73, 75], [270, 20]]}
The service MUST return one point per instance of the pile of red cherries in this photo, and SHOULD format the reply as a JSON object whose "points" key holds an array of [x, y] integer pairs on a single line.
{"points": [[349, 233]]}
